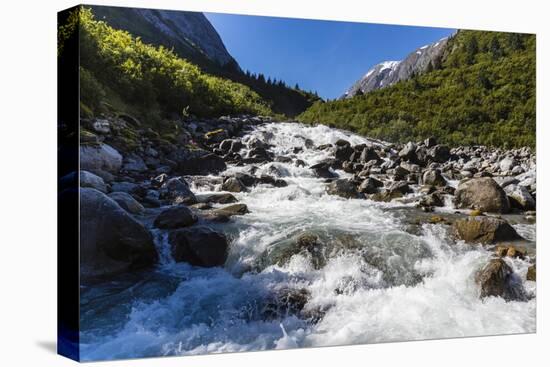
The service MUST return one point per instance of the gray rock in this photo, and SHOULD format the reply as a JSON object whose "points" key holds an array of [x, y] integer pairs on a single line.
{"points": [[177, 191], [497, 279], [344, 188], [111, 240], [370, 186], [408, 152], [88, 179], [433, 177], [233, 184], [175, 217], [483, 194], [199, 246], [100, 157], [507, 164], [124, 186], [101, 126], [127, 202], [520, 197], [134, 163]]}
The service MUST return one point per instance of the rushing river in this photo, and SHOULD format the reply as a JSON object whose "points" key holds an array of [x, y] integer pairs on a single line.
{"points": [[377, 282]]}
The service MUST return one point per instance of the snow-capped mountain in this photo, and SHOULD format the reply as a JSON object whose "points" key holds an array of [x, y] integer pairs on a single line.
{"points": [[390, 72]]}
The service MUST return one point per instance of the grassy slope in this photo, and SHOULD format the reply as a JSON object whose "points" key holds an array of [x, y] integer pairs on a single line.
{"points": [[482, 92]]}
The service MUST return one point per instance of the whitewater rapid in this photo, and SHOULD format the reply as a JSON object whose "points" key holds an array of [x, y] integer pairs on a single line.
{"points": [[381, 283]]}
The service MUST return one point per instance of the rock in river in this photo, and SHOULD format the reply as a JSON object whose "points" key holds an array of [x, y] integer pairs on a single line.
{"points": [[127, 202], [483, 194], [482, 229], [100, 158], [199, 246], [111, 240], [175, 217], [497, 279], [344, 188]]}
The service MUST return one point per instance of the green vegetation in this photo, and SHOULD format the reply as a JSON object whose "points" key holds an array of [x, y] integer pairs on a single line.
{"points": [[281, 98], [119, 72], [482, 91]]}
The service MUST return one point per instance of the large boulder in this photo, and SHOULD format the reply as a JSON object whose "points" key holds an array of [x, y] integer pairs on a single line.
{"points": [[439, 153], [344, 188], [483, 229], [175, 217], [88, 179], [100, 157], [497, 279], [230, 210], [199, 246], [408, 152], [127, 202], [483, 194], [177, 191], [111, 240], [520, 197]]}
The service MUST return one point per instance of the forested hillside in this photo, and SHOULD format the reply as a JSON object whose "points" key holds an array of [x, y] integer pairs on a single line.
{"points": [[482, 91]]}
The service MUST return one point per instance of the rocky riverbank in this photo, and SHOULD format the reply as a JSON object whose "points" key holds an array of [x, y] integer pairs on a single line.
{"points": [[203, 197]]}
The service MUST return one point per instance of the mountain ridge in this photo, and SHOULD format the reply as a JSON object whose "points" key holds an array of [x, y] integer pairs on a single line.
{"points": [[388, 73]]}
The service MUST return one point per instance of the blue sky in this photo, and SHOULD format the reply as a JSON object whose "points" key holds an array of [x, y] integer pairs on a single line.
{"points": [[325, 56]]}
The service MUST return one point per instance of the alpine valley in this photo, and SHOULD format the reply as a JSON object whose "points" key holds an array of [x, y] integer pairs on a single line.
{"points": [[224, 211]]}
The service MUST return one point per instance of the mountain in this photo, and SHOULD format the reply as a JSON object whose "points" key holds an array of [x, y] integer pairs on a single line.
{"points": [[390, 72], [190, 33], [482, 92], [193, 38]]}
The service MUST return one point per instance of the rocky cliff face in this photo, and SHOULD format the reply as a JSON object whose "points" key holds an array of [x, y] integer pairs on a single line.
{"points": [[390, 72], [190, 34]]}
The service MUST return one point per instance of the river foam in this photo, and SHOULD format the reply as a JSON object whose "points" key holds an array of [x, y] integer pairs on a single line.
{"points": [[381, 282]]}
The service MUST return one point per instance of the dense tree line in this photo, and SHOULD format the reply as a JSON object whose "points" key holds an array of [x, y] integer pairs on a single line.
{"points": [[481, 91]]}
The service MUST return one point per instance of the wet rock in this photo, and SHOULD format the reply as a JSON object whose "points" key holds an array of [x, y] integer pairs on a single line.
{"points": [[197, 162], [482, 229], [233, 184], [431, 200], [246, 179], [520, 197], [306, 243], [220, 198], [177, 191], [322, 170], [368, 154], [483, 194], [284, 302], [510, 251], [100, 157], [343, 152], [175, 217], [127, 202], [283, 159], [433, 177], [88, 179], [111, 240], [269, 180], [497, 279], [199, 246], [370, 186], [344, 188], [230, 210], [134, 163], [532, 273], [399, 187]]}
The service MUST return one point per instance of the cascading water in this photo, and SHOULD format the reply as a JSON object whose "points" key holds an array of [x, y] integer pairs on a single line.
{"points": [[375, 281]]}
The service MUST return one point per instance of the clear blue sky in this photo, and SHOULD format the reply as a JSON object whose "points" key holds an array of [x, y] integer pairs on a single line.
{"points": [[325, 56]]}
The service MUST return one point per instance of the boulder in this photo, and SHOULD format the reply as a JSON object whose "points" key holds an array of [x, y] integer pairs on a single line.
{"points": [[220, 198], [199, 246], [368, 154], [127, 202], [134, 163], [497, 279], [408, 152], [230, 210], [197, 162], [344, 188], [88, 179], [483, 194], [439, 153], [175, 217], [507, 164], [520, 197], [177, 191], [111, 240], [370, 186], [430, 142], [100, 157], [343, 152], [322, 170], [233, 184], [433, 177], [481, 229]]}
